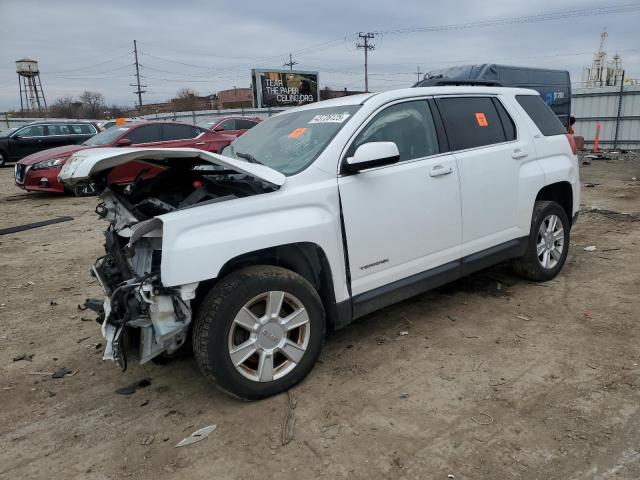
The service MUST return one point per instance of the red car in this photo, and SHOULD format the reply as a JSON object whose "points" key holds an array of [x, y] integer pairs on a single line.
{"points": [[231, 125], [39, 171]]}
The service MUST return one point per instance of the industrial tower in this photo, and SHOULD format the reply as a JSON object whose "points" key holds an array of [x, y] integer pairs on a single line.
{"points": [[31, 93]]}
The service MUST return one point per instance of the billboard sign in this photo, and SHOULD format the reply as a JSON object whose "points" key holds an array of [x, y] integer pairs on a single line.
{"points": [[284, 88]]}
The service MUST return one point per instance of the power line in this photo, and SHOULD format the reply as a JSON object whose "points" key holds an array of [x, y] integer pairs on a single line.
{"points": [[542, 17], [366, 46]]}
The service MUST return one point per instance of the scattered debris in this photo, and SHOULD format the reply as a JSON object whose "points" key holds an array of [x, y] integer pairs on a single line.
{"points": [[62, 372], [288, 429], [403, 333], [609, 249], [25, 356], [451, 318], [80, 340], [451, 476], [28, 226], [593, 367], [145, 403], [523, 317], [590, 248], [350, 346], [586, 162], [130, 389], [588, 314], [482, 419], [148, 440], [591, 185], [53, 303], [404, 396], [85, 319], [197, 436], [619, 216]]}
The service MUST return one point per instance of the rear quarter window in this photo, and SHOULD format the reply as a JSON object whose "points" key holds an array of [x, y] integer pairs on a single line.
{"points": [[541, 114], [471, 122]]}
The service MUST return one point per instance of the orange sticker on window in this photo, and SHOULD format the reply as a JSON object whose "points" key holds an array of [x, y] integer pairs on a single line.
{"points": [[297, 132], [481, 119]]}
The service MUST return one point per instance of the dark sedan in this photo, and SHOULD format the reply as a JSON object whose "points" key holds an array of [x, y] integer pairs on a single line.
{"points": [[17, 143]]}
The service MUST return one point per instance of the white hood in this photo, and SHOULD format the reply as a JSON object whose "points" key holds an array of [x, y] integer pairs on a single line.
{"points": [[85, 163]]}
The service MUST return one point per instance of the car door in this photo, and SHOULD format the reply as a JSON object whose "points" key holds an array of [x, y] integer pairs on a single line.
{"points": [[28, 140], [177, 135], [228, 127], [491, 154], [59, 135], [401, 221]]}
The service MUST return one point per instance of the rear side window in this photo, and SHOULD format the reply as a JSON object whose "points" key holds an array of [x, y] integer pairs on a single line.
{"points": [[179, 132], [471, 122], [409, 125], [83, 129], [541, 114], [145, 134]]}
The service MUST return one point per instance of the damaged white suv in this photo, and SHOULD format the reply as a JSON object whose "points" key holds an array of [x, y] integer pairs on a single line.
{"points": [[320, 215]]}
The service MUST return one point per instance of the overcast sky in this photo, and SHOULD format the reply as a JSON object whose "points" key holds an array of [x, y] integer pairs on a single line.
{"points": [[210, 46]]}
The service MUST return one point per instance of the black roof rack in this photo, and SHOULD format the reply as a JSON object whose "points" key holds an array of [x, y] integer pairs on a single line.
{"points": [[442, 82]]}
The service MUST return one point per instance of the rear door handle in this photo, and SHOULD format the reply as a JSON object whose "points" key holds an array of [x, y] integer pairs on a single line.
{"points": [[439, 170], [200, 143], [517, 154]]}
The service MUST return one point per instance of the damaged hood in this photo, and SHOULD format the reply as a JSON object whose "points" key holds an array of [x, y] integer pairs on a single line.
{"points": [[84, 164]]}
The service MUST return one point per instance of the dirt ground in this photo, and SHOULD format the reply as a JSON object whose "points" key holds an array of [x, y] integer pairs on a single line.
{"points": [[495, 378]]}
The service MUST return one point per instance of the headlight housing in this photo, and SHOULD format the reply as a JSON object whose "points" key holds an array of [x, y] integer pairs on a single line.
{"points": [[53, 163]]}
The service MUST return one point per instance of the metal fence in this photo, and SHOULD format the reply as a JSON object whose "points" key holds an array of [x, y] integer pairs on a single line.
{"points": [[616, 109], [210, 115]]}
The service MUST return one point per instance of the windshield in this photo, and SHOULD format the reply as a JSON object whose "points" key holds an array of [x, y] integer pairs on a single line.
{"points": [[289, 143], [107, 137]]}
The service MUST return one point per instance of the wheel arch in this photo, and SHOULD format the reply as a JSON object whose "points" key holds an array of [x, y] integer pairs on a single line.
{"points": [[561, 193], [308, 260]]}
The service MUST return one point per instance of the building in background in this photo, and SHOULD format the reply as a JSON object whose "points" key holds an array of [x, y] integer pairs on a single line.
{"points": [[602, 73]]}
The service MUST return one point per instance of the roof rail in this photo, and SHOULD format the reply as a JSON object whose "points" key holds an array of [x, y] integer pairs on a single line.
{"points": [[441, 82]]}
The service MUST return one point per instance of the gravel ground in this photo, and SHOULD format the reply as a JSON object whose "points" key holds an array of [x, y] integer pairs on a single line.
{"points": [[496, 378]]}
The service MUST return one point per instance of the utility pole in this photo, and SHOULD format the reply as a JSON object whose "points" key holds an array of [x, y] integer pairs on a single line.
{"points": [[290, 63], [139, 90], [418, 72], [366, 46]]}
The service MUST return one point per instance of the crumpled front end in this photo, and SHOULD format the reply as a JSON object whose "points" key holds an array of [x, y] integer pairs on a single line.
{"points": [[138, 313]]}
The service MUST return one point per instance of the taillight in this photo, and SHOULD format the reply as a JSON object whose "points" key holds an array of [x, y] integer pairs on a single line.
{"points": [[572, 143]]}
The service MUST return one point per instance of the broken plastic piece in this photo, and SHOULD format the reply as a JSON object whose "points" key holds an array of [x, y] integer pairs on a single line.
{"points": [[24, 356], [197, 436], [61, 372], [130, 389]]}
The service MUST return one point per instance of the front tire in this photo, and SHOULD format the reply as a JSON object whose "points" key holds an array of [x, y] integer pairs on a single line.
{"points": [[3, 159], [548, 243], [259, 331]]}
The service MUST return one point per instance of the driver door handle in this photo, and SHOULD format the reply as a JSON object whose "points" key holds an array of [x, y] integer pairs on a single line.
{"points": [[439, 170], [200, 143], [517, 154]]}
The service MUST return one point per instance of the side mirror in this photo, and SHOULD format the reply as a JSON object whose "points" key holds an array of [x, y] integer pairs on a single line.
{"points": [[373, 154], [219, 128], [124, 142], [16, 137]]}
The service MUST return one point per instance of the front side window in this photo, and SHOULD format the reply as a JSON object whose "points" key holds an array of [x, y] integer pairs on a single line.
{"points": [[32, 131], [409, 125], [471, 122], [290, 142], [245, 124], [144, 134]]}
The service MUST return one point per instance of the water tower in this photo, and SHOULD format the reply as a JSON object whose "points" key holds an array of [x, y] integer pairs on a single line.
{"points": [[31, 93]]}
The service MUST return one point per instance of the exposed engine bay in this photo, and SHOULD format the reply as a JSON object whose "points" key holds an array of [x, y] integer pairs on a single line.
{"points": [[138, 309]]}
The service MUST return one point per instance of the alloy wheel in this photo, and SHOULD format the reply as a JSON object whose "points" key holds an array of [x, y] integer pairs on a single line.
{"points": [[269, 336], [550, 241]]}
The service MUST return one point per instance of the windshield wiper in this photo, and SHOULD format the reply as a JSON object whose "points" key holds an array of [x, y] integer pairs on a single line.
{"points": [[249, 158]]}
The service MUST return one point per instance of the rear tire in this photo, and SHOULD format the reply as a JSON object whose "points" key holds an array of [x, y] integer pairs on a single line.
{"points": [[3, 159], [259, 331], [548, 243]]}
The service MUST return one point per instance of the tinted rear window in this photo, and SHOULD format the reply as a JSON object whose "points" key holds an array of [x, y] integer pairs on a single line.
{"points": [[541, 114], [471, 122]]}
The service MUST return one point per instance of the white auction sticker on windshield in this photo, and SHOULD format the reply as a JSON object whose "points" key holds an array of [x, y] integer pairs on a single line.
{"points": [[330, 118]]}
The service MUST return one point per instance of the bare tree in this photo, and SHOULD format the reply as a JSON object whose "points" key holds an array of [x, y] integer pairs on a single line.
{"points": [[186, 99], [93, 105], [65, 107]]}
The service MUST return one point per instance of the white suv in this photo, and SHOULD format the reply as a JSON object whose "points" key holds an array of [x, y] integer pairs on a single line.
{"points": [[323, 214]]}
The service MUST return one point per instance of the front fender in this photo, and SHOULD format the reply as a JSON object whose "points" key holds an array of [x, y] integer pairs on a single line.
{"points": [[198, 242]]}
